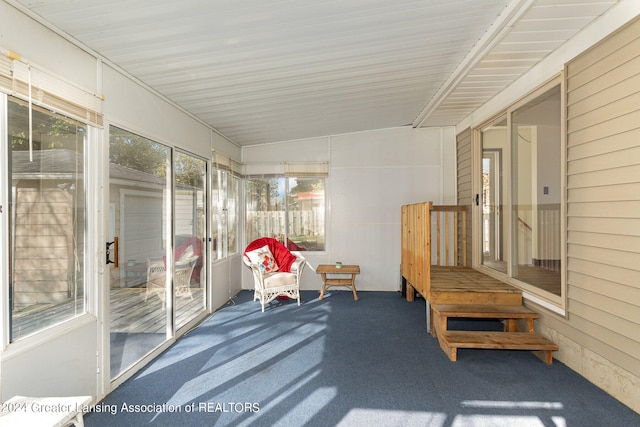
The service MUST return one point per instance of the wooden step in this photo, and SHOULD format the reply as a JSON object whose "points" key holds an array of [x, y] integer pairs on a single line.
{"points": [[450, 341], [464, 285], [509, 313]]}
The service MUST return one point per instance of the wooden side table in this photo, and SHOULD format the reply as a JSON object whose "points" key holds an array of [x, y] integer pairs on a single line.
{"points": [[331, 269]]}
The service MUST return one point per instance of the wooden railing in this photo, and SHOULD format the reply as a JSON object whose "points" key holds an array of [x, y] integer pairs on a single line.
{"points": [[450, 242], [431, 235]]}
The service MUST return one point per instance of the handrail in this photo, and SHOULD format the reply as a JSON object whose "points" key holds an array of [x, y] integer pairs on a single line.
{"points": [[449, 208], [524, 224]]}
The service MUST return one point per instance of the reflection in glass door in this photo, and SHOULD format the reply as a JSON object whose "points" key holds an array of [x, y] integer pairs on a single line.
{"points": [[190, 229], [536, 191], [140, 220], [494, 140]]}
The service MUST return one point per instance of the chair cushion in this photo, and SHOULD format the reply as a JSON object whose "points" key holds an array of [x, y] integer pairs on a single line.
{"points": [[279, 279], [198, 254], [264, 258], [281, 254], [186, 256]]}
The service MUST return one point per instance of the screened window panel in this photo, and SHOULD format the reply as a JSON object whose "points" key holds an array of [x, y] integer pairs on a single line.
{"points": [[47, 222]]}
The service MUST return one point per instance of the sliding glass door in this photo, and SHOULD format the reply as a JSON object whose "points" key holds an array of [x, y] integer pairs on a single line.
{"points": [[522, 194], [190, 230], [158, 208], [139, 190]]}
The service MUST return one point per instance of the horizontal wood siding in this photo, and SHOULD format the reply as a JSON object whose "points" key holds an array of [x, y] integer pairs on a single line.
{"points": [[603, 197], [465, 190], [43, 256]]}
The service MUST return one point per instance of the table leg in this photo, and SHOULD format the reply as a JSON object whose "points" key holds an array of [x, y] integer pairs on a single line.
{"points": [[324, 285], [353, 287]]}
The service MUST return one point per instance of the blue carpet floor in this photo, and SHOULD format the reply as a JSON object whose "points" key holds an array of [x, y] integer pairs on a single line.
{"points": [[338, 362]]}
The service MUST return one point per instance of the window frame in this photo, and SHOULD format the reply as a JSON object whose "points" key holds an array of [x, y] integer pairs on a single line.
{"points": [[286, 210], [90, 156], [220, 209]]}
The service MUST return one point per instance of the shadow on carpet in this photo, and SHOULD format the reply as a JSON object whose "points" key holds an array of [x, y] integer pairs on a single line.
{"points": [[346, 363]]}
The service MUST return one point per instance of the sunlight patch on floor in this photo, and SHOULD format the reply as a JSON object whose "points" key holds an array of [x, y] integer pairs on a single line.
{"points": [[480, 420], [361, 417], [494, 420], [510, 404], [310, 406]]}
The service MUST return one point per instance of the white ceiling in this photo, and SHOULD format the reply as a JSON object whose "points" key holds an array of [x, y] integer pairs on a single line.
{"points": [[273, 70]]}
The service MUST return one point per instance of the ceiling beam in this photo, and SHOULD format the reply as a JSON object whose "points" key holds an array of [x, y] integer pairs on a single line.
{"points": [[498, 30]]}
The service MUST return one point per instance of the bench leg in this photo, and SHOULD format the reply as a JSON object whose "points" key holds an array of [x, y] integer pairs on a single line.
{"points": [[353, 287], [453, 354], [410, 293]]}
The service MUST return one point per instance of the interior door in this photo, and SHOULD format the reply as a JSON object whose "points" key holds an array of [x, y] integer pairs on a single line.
{"points": [[494, 142], [491, 205]]}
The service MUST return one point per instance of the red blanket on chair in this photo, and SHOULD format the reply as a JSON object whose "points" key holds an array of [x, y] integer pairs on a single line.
{"points": [[196, 244], [281, 254]]}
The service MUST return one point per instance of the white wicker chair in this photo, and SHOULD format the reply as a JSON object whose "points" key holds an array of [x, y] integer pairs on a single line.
{"points": [[284, 282], [156, 278], [182, 278]]}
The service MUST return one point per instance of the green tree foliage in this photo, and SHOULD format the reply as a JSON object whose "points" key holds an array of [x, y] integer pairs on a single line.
{"points": [[136, 152], [304, 185], [49, 130], [263, 193], [189, 170]]}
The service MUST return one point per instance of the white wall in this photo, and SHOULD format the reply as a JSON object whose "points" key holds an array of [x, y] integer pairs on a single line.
{"points": [[54, 367], [130, 106], [43, 48], [371, 175]]}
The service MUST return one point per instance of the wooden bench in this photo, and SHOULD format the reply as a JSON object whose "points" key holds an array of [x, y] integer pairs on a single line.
{"points": [[44, 411], [450, 341], [508, 313]]}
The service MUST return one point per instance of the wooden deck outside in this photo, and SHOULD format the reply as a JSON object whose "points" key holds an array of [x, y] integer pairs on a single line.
{"points": [[129, 312]]}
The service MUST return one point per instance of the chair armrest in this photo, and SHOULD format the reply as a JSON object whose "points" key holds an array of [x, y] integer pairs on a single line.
{"points": [[255, 267], [258, 272], [298, 265]]}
